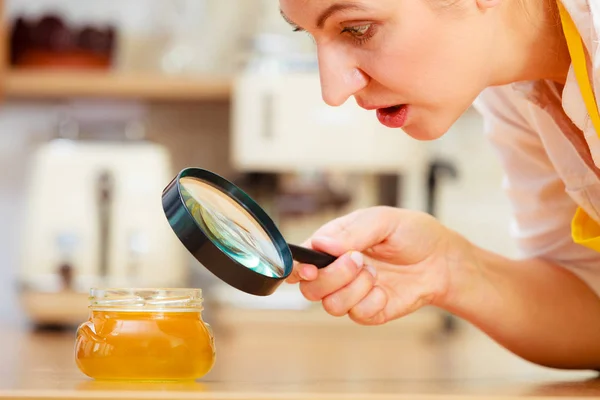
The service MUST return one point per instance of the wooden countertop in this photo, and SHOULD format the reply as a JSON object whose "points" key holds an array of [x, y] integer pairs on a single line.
{"points": [[271, 355]]}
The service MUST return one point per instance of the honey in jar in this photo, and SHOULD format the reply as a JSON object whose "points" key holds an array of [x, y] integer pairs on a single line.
{"points": [[145, 334]]}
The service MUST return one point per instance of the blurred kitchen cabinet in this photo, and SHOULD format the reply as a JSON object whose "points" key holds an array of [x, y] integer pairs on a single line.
{"points": [[280, 123]]}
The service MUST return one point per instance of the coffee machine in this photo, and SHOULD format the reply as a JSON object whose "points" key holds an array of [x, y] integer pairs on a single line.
{"points": [[94, 219]]}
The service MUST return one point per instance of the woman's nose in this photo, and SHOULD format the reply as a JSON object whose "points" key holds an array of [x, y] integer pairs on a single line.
{"points": [[340, 76]]}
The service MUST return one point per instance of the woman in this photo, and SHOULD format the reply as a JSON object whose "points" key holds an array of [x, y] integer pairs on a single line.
{"points": [[420, 64]]}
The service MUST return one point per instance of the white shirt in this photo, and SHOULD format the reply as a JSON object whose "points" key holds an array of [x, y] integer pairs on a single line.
{"points": [[550, 169]]}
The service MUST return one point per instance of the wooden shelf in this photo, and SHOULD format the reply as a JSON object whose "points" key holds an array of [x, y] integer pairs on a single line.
{"points": [[65, 84]]}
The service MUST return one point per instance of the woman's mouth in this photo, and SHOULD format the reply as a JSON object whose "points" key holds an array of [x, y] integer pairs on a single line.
{"points": [[393, 117]]}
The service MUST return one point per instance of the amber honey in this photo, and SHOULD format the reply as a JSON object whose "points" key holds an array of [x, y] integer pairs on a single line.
{"points": [[136, 338]]}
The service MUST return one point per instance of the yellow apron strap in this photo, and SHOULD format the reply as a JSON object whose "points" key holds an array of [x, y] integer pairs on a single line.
{"points": [[584, 230]]}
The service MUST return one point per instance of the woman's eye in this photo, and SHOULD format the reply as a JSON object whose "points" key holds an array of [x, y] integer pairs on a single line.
{"points": [[357, 31], [360, 34]]}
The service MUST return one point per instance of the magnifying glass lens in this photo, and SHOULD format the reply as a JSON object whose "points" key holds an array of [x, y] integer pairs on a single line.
{"points": [[231, 228]]}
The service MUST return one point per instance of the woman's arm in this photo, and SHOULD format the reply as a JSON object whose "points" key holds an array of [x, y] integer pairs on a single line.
{"points": [[540, 311]]}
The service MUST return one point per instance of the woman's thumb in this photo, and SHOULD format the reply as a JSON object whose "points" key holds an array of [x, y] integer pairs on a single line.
{"points": [[329, 245], [357, 231]]}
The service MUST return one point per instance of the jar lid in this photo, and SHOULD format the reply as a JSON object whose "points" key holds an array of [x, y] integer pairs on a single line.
{"points": [[133, 299]]}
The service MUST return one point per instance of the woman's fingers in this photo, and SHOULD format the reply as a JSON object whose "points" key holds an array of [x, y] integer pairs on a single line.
{"points": [[333, 277], [340, 302], [355, 232], [303, 272], [370, 310]]}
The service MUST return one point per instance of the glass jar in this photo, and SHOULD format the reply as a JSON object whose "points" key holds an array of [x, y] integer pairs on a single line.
{"points": [[145, 334]]}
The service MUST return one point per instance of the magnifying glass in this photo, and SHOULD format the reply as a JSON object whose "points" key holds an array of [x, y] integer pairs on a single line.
{"points": [[230, 234]]}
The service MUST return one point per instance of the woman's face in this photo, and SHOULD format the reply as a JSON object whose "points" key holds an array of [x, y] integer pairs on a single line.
{"points": [[431, 56]]}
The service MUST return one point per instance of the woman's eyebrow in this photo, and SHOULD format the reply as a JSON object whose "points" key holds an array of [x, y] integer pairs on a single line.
{"points": [[336, 8], [326, 14]]}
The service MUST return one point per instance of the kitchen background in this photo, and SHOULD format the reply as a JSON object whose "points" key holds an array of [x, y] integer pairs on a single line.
{"points": [[103, 102]]}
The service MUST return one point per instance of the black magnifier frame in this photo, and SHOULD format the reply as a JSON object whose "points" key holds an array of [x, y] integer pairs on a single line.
{"points": [[202, 247]]}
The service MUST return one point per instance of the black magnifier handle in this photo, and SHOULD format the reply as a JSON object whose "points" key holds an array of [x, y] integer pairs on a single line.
{"points": [[308, 256]]}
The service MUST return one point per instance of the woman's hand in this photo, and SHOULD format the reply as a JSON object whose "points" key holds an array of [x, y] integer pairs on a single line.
{"points": [[391, 262], [406, 259]]}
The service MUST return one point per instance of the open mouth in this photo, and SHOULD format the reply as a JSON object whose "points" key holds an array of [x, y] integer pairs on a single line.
{"points": [[390, 110], [394, 116]]}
